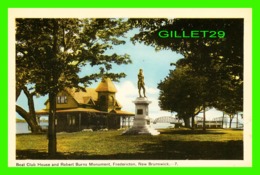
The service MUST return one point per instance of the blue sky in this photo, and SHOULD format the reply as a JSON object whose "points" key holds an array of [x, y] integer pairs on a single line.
{"points": [[155, 65]]}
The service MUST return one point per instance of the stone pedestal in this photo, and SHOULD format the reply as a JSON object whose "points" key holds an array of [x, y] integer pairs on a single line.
{"points": [[141, 123]]}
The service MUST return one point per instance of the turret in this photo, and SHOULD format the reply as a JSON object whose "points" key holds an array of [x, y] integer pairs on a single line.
{"points": [[106, 95]]}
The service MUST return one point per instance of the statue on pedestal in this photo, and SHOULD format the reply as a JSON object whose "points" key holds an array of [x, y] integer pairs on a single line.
{"points": [[140, 83], [141, 123]]}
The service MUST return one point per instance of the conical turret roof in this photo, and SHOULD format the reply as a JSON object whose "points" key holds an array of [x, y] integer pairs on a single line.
{"points": [[106, 85]]}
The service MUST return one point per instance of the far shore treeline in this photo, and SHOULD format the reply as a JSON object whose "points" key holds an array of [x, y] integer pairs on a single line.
{"points": [[18, 120]]}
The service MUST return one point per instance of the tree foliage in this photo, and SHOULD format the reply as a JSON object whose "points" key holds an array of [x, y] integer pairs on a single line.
{"points": [[54, 50], [182, 93], [216, 61], [51, 52]]}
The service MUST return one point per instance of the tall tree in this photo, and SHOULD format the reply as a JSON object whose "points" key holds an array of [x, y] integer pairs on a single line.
{"points": [[182, 93], [52, 51], [219, 58]]}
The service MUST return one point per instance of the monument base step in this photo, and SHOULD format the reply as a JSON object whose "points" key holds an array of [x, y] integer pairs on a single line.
{"points": [[141, 131]]}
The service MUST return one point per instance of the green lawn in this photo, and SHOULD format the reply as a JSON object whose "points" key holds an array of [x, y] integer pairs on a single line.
{"points": [[169, 145]]}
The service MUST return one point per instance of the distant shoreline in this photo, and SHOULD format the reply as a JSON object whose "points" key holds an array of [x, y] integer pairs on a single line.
{"points": [[24, 121], [20, 120]]}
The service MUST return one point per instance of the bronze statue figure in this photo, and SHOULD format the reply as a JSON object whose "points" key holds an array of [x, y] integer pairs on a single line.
{"points": [[141, 83]]}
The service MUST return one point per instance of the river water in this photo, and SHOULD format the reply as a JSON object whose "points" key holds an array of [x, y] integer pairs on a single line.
{"points": [[22, 127]]}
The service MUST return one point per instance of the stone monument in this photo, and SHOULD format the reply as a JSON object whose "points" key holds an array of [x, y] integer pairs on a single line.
{"points": [[141, 123]]}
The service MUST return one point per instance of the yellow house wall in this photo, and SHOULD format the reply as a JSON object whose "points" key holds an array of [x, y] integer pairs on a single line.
{"points": [[71, 103]]}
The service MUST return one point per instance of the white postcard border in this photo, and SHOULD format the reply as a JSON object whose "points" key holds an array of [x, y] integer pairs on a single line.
{"points": [[245, 13]]}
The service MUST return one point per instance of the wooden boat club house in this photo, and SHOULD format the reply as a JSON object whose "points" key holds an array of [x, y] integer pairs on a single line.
{"points": [[93, 109]]}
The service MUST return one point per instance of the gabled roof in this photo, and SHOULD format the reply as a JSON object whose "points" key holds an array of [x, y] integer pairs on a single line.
{"points": [[106, 85], [82, 97], [88, 101]]}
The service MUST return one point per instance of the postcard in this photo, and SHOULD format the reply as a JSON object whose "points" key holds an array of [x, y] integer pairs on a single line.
{"points": [[130, 87]]}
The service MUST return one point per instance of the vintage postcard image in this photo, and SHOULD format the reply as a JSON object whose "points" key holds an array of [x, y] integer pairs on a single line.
{"points": [[130, 88]]}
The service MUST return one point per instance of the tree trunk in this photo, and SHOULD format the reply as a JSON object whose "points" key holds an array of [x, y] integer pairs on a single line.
{"points": [[204, 118], [237, 121], [187, 122], [54, 76], [30, 117], [223, 117], [35, 128], [192, 122], [230, 121], [30, 102], [52, 145]]}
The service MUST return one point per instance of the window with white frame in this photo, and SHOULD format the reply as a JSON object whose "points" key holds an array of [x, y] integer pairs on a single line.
{"points": [[62, 99]]}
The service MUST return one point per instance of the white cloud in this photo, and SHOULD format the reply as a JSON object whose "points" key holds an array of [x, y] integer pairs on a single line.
{"points": [[152, 91], [154, 109], [126, 93]]}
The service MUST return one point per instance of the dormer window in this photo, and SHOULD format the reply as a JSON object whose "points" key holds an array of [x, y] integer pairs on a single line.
{"points": [[62, 99]]}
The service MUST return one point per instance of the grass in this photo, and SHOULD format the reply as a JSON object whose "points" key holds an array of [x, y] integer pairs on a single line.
{"points": [[169, 145]]}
